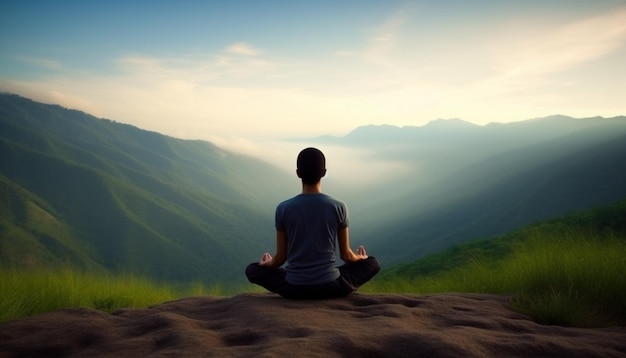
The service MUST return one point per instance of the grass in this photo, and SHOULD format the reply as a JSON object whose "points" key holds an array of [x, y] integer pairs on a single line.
{"points": [[572, 279], [26, 293]]}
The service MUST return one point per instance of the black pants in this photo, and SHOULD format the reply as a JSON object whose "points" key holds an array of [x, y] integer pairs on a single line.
{"points": [[352, 275]]}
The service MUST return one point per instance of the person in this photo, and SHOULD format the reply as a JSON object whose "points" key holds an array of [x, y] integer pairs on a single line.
{"points": [[309, 226]]}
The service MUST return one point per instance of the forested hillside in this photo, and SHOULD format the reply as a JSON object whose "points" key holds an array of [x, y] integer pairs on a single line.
{"points": [[102, 195], [607, 220]]}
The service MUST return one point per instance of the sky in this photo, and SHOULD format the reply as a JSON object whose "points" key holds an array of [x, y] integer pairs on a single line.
{"points": [[236, 72]]}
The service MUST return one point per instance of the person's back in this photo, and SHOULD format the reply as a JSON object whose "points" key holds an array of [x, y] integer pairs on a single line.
{"points": [[309, 227], [312, 220]]}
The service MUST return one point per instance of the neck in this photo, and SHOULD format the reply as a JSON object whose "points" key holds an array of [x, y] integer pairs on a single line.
{"points": [[312, 188]]}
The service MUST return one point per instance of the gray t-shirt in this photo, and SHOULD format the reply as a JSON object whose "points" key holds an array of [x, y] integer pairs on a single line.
{"points": [[311, 222]]}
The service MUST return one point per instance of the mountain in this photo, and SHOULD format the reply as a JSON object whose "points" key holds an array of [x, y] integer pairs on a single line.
{"points": [[461, 181], [103, 195]]}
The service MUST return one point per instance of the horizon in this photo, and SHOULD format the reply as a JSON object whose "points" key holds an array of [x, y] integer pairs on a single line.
{"points": [[242, 74], [343, 160]]}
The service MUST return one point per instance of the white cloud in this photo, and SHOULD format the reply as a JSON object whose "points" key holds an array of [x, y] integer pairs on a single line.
{"points": [[528, 61], [383, 42], [242, 48]]}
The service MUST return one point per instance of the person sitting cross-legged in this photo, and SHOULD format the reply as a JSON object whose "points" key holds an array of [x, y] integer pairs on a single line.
{"points": [[309, 226]]}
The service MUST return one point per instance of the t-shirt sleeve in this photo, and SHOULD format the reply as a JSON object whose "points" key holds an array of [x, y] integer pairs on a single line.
{"points": [[279, 223], [342, 211]]}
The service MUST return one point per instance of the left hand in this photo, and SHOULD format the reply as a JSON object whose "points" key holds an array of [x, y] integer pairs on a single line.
{"points": [[360, 251]]}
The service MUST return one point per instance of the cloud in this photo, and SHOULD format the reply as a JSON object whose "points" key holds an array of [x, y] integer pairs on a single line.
{"points": [[396, 73], [242, 48], [383, 42], [529, 61]]}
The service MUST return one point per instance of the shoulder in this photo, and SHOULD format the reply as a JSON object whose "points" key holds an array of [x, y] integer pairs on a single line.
{"points": [[311, 199], [289, 202], [333, 200]]}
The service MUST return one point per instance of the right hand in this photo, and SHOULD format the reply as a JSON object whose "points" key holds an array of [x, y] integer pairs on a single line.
{"points": [[266, 259]]}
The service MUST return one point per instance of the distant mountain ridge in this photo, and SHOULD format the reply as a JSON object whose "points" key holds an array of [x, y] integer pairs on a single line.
{"points": [[454, 129]]}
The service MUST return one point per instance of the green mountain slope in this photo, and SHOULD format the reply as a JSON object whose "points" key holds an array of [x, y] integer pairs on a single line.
{"points": [[609, 220], [103, 195]]}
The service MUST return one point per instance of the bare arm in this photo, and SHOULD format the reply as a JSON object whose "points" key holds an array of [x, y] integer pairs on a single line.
{"points": [[281, 252], [345, 251]]}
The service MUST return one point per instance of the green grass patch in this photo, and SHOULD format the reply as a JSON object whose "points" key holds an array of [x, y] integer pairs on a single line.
{"points": [[25, 293], [572, 278]]}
